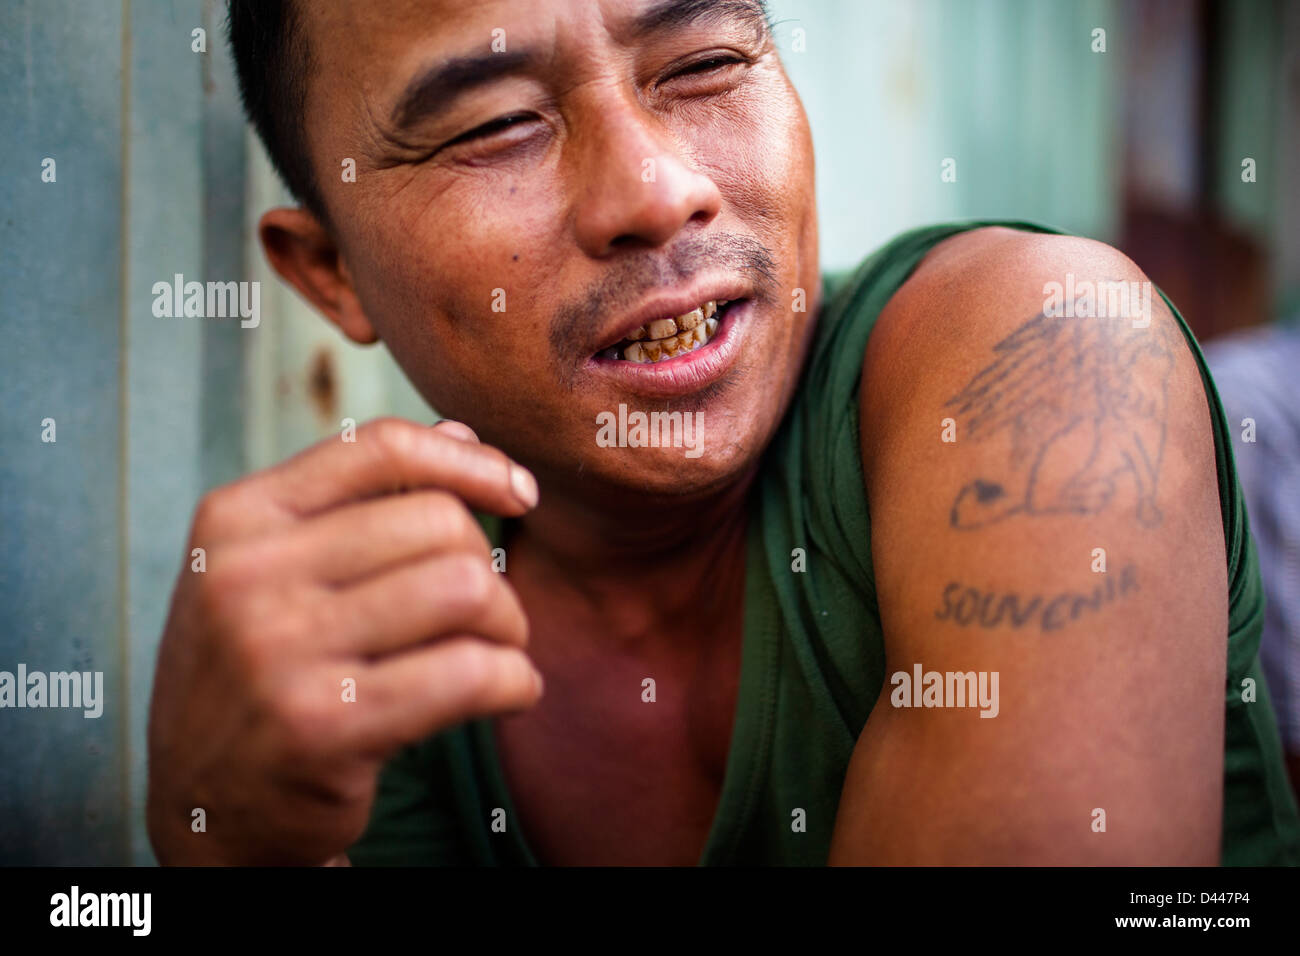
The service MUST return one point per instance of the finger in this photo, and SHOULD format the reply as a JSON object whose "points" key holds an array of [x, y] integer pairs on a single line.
{"points": [[355, 541], [422, 600], [391, 455], [458, 430], [407, 697]]}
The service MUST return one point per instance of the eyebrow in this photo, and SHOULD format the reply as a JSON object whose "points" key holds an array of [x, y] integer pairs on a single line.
{"points": [[436, 86], [675, 14], [439, 84]]}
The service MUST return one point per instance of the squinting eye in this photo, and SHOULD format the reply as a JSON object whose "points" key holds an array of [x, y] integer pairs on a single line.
{"points": [[707, 65], [490, 128]]}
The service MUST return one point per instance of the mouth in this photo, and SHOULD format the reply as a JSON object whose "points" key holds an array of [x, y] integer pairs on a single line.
{"points": [[655, 363], [671, 337]]}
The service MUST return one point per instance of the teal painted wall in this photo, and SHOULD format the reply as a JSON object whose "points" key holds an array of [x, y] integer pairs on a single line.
{"points": [[150, 155], [62, 776], [1009, 89]]}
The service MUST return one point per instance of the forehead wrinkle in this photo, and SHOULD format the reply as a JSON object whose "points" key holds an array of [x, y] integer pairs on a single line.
{"points": [[438, 84]]}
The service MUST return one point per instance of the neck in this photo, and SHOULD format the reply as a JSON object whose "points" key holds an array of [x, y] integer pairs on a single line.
{"points": [[675, 570]]}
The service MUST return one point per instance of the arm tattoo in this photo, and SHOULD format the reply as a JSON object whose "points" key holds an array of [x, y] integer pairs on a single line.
{"points": [[1081, 405], [967, 606]]}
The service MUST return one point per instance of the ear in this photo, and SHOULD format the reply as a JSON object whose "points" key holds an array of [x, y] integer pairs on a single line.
{"points": [[304, 253]]}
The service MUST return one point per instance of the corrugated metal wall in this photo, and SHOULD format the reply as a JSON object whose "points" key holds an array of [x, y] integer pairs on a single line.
{"points": [[149, 152]]}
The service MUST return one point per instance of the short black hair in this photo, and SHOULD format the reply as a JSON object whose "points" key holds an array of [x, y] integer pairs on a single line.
{"points": [[272, 61]]}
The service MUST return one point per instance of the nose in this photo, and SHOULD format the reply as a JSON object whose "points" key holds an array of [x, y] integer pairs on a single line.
{"points": [[633, 184]]}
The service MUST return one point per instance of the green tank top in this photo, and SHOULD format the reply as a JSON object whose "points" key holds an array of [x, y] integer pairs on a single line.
{"points": [[813, 655]]}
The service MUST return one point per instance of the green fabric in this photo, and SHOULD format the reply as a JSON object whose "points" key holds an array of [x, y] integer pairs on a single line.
{"points": [[813, 659]]}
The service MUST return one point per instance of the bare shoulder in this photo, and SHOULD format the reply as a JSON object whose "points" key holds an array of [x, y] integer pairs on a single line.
{"points": [[1010, 337], [1040, 476], [984, 283]]}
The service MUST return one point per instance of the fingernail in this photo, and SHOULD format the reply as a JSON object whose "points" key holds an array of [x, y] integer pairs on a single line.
{"points": [[458, 430], [537, 680], [524, 485]]}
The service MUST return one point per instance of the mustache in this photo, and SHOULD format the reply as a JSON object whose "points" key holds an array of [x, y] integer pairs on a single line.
{"points": [[629, 279]]}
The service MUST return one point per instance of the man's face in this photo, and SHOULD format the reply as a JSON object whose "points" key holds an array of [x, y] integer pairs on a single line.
{"points": [[535, 180]]}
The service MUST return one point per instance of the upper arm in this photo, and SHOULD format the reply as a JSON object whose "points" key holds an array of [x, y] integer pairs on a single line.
{"points": [[1077, 441]]}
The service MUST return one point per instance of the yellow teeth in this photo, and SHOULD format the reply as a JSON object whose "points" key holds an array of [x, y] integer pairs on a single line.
{"points": [[662, 328], [667, 338]]}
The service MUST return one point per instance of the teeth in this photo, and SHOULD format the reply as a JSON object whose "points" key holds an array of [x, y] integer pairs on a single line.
{"points": [[691, 319], [663, 339], [662, 328]]}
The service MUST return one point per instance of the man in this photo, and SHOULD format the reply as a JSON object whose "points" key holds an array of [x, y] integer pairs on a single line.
{"points": [[925, 468]]}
